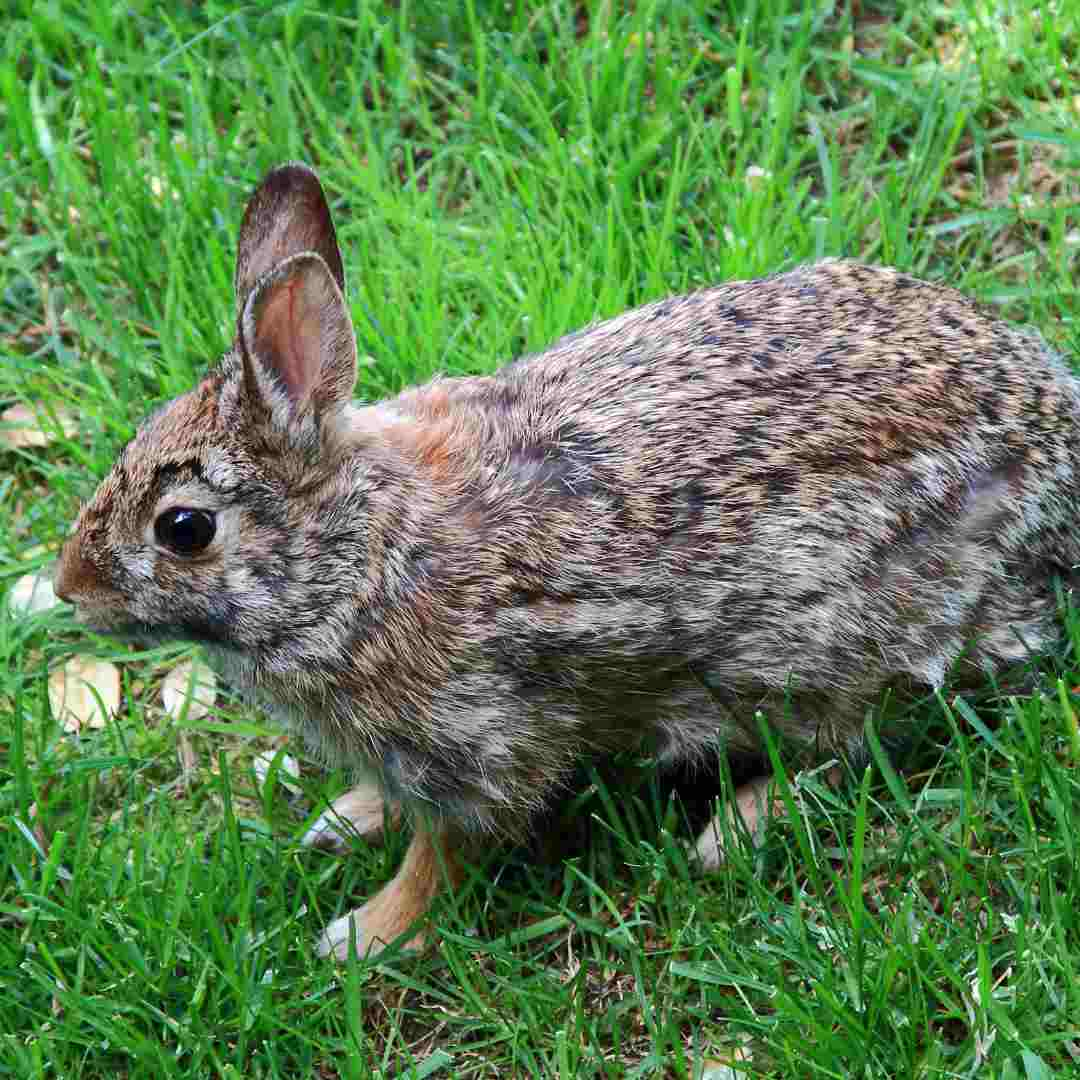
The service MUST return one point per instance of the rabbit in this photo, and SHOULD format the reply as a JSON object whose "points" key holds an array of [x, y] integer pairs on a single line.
{"points": [[779, 495]]}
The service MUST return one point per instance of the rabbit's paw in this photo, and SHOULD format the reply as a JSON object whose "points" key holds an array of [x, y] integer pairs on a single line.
{"points": [[755, 803], [361, 812], [372, 926]]}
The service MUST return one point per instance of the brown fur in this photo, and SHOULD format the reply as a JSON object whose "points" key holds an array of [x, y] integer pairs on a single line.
{"points": [[794, 490]]}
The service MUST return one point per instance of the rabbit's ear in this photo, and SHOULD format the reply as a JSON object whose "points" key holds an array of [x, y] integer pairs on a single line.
{"points": [[297, 346], [286, 216]]}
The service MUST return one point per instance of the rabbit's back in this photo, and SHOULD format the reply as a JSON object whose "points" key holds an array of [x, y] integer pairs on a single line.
{"points": [[834, 369]]}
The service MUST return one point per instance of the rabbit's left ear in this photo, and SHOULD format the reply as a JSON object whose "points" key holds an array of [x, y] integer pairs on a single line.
{"points": [[298, 349]]}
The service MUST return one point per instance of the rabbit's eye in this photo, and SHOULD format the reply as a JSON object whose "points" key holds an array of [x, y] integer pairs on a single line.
{"points": [[187, 532]]}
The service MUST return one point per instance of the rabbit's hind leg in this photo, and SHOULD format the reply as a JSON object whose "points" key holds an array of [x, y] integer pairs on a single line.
{"points": [[754, 804], [430, 866], [816, 728]]}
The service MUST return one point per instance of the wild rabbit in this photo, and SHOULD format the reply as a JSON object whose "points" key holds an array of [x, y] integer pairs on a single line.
{"points": [[779, 494]]}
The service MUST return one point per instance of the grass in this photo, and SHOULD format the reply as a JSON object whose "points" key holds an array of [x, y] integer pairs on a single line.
{"points": [[502, 173]]}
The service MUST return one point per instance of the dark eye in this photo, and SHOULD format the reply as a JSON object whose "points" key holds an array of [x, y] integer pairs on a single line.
{"points": [[187, 532]]}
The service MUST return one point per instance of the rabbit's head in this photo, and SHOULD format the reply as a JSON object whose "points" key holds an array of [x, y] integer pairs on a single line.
{"points": [[203, 529]]}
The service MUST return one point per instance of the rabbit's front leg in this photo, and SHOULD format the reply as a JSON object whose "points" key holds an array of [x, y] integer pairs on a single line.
{"points": [[361, 812], [430, 865]]}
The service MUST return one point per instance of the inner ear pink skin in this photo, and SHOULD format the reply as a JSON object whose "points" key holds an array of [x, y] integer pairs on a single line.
{"points": [[296, 330], [288, 336]]}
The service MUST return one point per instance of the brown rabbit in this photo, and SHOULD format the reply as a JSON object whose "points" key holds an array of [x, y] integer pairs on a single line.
{"points": [[778, 494]]}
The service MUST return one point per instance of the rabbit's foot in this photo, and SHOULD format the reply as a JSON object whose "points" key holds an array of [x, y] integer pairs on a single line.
{"points": [[430, 865], [361, 812], [755, 803]]}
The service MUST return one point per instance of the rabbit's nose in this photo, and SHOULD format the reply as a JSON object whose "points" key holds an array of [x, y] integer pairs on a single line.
{"points": [[74, 573]]}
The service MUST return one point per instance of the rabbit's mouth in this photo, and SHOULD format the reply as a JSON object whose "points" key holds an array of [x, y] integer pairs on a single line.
{"points": [[124, 627], [106, 613], [114, 621], [109, 624]]}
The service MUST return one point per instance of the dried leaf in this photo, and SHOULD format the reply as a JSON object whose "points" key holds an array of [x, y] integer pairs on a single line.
{"points": [[75, 690], [189, 690], [32, 593], [21, 427]]}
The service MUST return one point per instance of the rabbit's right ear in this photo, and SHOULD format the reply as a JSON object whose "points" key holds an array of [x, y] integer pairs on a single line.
{"points": [[287, 215], [298, 350]]}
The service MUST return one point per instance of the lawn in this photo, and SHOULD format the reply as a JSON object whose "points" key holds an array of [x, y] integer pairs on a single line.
{"points": [[502, 173]]}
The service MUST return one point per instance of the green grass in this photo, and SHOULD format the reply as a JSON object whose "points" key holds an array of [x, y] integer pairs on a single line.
{"points": [[502, 173]]}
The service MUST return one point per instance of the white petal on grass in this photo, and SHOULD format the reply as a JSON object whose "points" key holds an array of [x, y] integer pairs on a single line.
{"points": [[80, 691], [22, 428], [160, 190], [757, 177], [288, 771], [31, 594], [189, 690]]}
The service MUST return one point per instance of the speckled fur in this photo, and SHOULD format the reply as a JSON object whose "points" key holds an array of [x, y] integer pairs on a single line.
{"points": [[805, 486]]}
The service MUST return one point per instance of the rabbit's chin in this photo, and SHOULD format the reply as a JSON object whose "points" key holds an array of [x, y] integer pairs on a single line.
{"points": [[123, 626]]}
